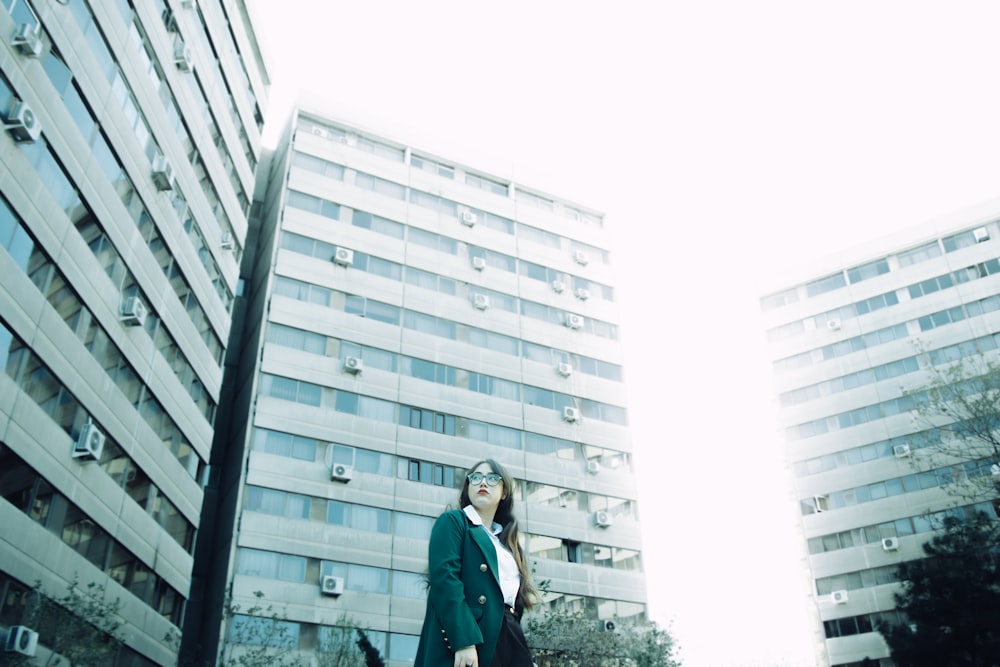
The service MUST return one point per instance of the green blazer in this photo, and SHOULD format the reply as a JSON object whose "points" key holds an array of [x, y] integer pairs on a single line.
{"points": [[464, 604]]}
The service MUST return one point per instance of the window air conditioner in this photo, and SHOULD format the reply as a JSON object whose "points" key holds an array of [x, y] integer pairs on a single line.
{"points": [[564, 369], [343, 256], [183, 57], [582, 293], [89, 443], [558, 286], [833, 324], [606, 626], [22, 123], [133, 312], [602, 519], [341, 472], [839, 597], [353, 365], [581, 257], [21, 639], [331, 585], [980, 234], [227, 242], [481, 301], [479, 263], [27, 40], [901, 451], [890, 543], [574, 321], [593, 467], [571, 414], [821, 503], [469, 219], [163, 173]]}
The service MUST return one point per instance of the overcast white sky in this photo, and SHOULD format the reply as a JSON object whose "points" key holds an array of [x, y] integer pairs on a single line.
{"points": [[731, 144]]}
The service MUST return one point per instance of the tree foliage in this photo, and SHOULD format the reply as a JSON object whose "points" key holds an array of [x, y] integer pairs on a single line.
{"points": [[569, 639], [371, 654], [951, 599]]}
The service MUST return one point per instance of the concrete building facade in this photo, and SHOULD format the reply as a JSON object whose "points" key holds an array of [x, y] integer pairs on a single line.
{"points": [[408, 315], [849, 343], [127, 165]]}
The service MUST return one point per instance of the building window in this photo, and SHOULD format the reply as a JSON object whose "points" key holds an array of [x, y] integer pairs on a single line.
{"points": [[866, 271], [483, 183], [827, 284], [917, 255], [432, 167]]}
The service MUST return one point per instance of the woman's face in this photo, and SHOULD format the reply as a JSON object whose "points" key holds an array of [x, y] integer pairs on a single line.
{"points": [[482, 495]]}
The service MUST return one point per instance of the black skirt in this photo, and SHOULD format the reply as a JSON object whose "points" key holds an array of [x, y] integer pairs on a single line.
{"points": [[512, 647]]}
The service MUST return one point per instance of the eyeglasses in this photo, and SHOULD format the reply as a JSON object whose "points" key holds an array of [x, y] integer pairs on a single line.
{"points": [[492, 478]]}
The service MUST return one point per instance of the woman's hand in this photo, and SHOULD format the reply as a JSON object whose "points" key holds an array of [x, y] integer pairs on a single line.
{"points": [[467, 657]]}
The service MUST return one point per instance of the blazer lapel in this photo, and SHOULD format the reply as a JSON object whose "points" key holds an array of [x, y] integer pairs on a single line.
{"points": [[485, 545]]}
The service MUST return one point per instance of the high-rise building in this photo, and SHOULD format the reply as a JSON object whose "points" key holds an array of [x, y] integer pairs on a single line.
{"points": [[408, 315], [131, 136], [852, 345]]}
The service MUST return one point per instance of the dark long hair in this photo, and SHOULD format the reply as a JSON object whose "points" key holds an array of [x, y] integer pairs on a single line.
{"points": [[504, 516]]}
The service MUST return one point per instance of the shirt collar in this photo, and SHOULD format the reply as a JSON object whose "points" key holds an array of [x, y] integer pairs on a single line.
{"points": [[474, 517]]}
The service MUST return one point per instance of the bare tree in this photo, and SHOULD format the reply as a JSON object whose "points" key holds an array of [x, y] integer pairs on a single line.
{"points": [[562, 638], [958, 412], [258, 636], [81, 628]]}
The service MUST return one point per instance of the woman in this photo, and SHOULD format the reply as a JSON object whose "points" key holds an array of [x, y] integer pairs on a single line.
{"points": [[479, 581]]}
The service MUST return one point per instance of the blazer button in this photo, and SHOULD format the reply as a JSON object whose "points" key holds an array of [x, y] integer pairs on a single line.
{"points": [[483, 568], [482, 599]]}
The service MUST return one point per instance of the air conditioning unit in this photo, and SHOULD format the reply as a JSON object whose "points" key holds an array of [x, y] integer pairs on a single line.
{"points": [[564, 369], [602, 519], [980, 234], [479, 263], [581, 257], [89, 443], [821, 503], [133, 312], [163, 173], [571, 414], [593, 467], [354, 365], [21, 639], [833, 324], [901, 451], [331, 585], [839, 597], [582, 293], [574, 321], [227, 242], [606, 626], [27, 40], [481, 301], [558, 286], [469, 219], [343, 256], [183, 57], [890, 543], [22, 123], [341, 472]]}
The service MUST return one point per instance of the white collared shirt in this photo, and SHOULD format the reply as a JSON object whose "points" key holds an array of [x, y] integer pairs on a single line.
{"points": [[510, 577]]}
